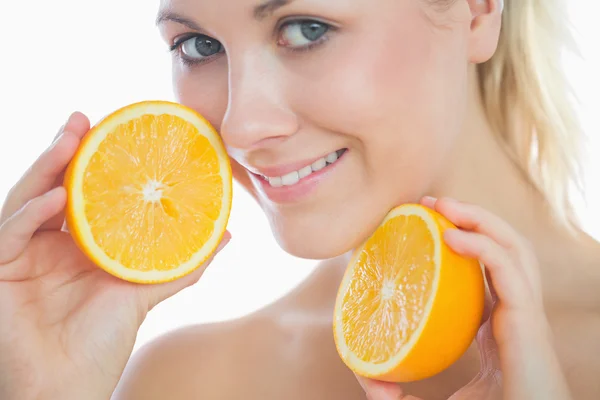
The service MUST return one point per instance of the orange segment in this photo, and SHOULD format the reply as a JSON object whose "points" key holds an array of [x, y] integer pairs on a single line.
{"points": [[408, 306], [149, 192]]}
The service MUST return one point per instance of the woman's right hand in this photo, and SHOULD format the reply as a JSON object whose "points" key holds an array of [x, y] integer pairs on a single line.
{"points": [[67, 328]]}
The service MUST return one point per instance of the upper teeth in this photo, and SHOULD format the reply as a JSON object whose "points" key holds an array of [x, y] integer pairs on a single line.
{"points": [[293, 177]]}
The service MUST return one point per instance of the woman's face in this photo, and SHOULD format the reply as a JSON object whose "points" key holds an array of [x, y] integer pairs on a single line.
{"points": [[333, 111]]}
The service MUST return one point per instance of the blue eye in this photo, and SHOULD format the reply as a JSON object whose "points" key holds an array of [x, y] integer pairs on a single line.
{"points": [[198, 48], [299, 34]]}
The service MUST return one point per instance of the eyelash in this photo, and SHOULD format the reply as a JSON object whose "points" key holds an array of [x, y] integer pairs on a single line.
{"points": [[326, 36], [176, 46]]}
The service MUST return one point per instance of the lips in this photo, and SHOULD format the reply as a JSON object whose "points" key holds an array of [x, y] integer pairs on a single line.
{"points": [[293, 177], [297, 182]]}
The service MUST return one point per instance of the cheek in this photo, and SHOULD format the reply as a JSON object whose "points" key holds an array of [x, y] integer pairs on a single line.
{"points": [[392, 76], [203, 88], [399, 90]]}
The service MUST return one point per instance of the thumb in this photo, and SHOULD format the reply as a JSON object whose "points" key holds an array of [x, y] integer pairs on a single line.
{"points": [[491, 297], [378, 390], [488, 350], [152, 295], [489, 379]]}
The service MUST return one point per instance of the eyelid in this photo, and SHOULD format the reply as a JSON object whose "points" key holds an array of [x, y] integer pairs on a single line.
{"points": [[332, 27], [284, 23], [176, 49], [178, 41], [304, 18]]}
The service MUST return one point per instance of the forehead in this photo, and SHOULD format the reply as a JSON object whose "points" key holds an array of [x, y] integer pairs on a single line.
{"points": [[259, 8], [186, 12], [229, 15]]}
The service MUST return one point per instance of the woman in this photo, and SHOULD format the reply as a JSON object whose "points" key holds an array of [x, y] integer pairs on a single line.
{"points": [[416, 98]]}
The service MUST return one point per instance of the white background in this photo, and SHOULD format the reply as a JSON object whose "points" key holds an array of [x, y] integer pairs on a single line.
{"points": [[57, 56]]}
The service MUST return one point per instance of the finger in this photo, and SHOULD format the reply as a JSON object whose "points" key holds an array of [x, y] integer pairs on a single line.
{"points": [[16, 232], [429, 202], [490, 298], [474, 218], [45, 172], [155, 294], [378, 390], [80, 120], [68, 150], [492, 290], [488, 349], [507, 280], [488, 382], [77, 123]]}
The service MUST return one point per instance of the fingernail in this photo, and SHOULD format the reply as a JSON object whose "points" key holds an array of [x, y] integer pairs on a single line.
{"points": [[70, 117], [61, 131], [429, 201]]}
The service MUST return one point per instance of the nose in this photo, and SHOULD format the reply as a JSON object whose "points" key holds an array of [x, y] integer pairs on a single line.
{"points": [[257, 114]]}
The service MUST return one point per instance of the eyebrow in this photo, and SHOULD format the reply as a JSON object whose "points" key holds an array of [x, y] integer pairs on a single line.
{"points": [[261, 12], [165, 15], [268, 8]]}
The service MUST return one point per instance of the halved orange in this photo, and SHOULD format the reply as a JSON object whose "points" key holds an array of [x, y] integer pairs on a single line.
{"points": [[149, 192], [408, 306]]}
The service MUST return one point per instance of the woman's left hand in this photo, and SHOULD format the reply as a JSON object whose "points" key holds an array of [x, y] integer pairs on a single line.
{"points": [[518, 360]]}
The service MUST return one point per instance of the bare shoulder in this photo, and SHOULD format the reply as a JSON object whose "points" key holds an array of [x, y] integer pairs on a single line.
{"points": [[283, 351], [575, 319], [181, 364]]}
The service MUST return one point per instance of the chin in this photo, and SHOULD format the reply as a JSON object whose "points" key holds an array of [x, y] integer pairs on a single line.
{"points": [[316, 238], [315, 247]]}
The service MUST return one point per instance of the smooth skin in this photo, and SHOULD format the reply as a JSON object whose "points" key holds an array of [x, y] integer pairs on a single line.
{"points": [[515, 343], [67, 329]]}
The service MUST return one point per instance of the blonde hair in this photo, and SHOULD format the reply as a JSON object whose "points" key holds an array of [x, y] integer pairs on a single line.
{"points": [[529, 102]]}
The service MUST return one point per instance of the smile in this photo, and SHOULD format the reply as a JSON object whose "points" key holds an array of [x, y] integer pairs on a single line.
{"points": [[294, 177]]}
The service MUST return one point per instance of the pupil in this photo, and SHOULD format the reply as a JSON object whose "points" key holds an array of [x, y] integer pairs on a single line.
{"points": [[207, 47], [313, 30]]}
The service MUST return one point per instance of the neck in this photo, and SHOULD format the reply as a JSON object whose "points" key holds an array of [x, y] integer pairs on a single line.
{"points": [[483, 173]]}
